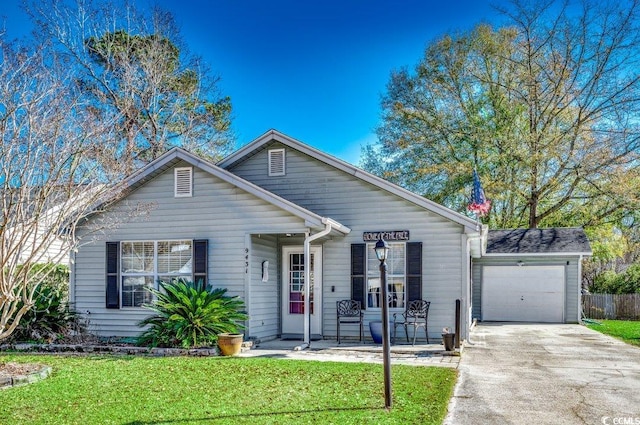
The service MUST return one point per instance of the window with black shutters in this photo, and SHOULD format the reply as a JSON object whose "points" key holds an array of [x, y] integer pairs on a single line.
{"points": [[135, 266], [404, 274], [396, 276]]}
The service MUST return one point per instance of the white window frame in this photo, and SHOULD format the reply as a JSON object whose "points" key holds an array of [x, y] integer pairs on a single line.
{"points": [[178, 184], [398, 298], [155, 275], [281, 152]]}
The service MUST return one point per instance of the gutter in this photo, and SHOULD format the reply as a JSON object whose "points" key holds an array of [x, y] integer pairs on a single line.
{"points": [[537, 254], [335, 225], [329, 226]]}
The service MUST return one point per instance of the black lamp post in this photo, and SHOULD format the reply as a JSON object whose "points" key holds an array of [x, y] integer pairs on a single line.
{"points": [[382, 251]]}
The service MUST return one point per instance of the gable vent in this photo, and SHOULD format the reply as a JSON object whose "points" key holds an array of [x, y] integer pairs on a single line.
{"points": [[183, 182], [276, 162]]}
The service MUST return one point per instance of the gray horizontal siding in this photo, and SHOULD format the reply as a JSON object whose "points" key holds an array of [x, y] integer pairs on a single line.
{"points": [[364, 207], [225, 216], [217, 211], [571, 278], [264, 296], [476, 284]]}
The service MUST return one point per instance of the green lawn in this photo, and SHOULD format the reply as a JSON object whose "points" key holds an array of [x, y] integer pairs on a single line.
{"points": [[216, 390], [626, 330]]}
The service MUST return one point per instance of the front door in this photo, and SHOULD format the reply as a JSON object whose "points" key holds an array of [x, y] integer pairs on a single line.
{"points": [[293, 291]]}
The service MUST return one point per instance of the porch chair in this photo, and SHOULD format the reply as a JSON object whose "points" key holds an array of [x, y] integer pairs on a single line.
{"points": [[349, 312], [415, 315]]}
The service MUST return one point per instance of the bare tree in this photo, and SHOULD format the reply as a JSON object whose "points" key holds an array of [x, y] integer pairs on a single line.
{"points": [[135, 71], [52, 173], [102, 91], [545, 107]]}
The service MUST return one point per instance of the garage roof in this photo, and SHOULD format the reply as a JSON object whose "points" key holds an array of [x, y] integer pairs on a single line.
{"points": [[557, 240]]}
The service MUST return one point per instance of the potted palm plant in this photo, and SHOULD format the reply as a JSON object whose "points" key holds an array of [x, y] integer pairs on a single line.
{"points": [[191, 315]]}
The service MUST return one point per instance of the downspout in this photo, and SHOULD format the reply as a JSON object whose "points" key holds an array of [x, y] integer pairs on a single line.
{"points": [[307, 280], [580, 291], [465, 288]]}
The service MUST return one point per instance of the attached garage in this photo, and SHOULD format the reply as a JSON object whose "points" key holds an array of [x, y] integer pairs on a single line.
{"points": [[530, 275]]}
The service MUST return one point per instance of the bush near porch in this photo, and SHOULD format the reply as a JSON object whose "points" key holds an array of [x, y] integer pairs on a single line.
{"points": [[184, 390]]}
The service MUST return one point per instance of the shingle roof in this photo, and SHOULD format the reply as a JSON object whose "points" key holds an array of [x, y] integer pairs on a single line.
{"points": [[558, 240]]}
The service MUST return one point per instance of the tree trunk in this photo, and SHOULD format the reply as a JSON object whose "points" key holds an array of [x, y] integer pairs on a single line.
{"points": [[533, 211]]}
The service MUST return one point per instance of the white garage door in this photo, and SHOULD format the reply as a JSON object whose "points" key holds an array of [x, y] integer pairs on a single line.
{"points": [[523, 294]]}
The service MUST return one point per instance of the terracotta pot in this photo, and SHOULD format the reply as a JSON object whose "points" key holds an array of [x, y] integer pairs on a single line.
{"points": [[229, 344]]}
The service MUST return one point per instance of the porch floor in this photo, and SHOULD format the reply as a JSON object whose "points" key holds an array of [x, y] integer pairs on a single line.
{"points": [[422, 354]]}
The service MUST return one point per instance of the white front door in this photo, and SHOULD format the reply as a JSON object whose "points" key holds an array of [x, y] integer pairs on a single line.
{"points": [[293, 291]]}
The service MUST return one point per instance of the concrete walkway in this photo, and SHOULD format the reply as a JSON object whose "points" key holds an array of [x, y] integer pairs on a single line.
{"points": [[353, 351], [546, 374]]}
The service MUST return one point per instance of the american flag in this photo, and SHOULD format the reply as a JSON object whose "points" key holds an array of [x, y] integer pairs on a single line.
{"points": [[478, 204]]}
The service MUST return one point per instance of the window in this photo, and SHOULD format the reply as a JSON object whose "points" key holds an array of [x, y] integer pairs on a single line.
{"points": [[276, 162], [142, 264], [296, 284], [396, 279], [183, 182]]}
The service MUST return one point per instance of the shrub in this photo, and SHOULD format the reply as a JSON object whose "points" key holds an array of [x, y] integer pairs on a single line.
{"points": [[189, 315], [50, 318], [604, 282], [610, 282], [630, 280]]}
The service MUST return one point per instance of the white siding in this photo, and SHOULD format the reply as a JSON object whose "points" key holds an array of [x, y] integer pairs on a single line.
{"points": [[218, 211], [364, 207]]}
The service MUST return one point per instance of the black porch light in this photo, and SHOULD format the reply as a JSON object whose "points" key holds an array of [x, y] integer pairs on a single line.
{"points": [[382, 252]]}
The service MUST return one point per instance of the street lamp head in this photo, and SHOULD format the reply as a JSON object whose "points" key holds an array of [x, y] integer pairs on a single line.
{"points": [[382, 250]]}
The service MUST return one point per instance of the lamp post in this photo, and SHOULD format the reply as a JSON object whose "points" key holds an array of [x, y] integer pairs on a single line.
{"points": [[382, 251]]}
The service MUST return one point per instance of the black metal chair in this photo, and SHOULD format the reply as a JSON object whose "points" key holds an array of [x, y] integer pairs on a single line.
{"points": [[349, 312], [415, 315]]}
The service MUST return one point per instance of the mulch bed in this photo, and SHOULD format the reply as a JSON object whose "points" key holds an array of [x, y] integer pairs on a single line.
{"points": [[13, 369], [17, 374]]}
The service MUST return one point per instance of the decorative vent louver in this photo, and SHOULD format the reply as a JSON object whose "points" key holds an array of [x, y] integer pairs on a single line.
{"points": [[183, 182], [276, 162]]}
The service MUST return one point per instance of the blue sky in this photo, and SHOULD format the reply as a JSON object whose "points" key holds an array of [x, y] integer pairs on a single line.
{"points": [[314, 70]]}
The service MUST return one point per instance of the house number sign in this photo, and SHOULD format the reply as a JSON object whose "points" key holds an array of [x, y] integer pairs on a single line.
{"points": [[394, 235]]}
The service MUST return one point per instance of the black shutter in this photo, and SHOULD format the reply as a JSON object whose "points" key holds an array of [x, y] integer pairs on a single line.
{"points": [[358, 271], [200, 260], [113, 290], [414, 271]]}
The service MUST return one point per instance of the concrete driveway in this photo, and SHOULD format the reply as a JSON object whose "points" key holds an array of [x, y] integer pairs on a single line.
{"points": [[546, 374]]}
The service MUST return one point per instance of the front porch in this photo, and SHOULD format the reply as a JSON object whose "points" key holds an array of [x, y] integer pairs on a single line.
{"points": [[421, 354]]}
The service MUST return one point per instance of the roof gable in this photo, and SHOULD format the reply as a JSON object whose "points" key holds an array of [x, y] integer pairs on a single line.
{"points": [[175, 155], [267, 138], [558, 240]]}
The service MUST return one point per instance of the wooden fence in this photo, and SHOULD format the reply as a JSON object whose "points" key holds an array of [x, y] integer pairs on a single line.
{"points": [[611, 306]]}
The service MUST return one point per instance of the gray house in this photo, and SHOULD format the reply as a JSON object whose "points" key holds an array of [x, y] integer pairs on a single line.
{"points": [[276, 214]]}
